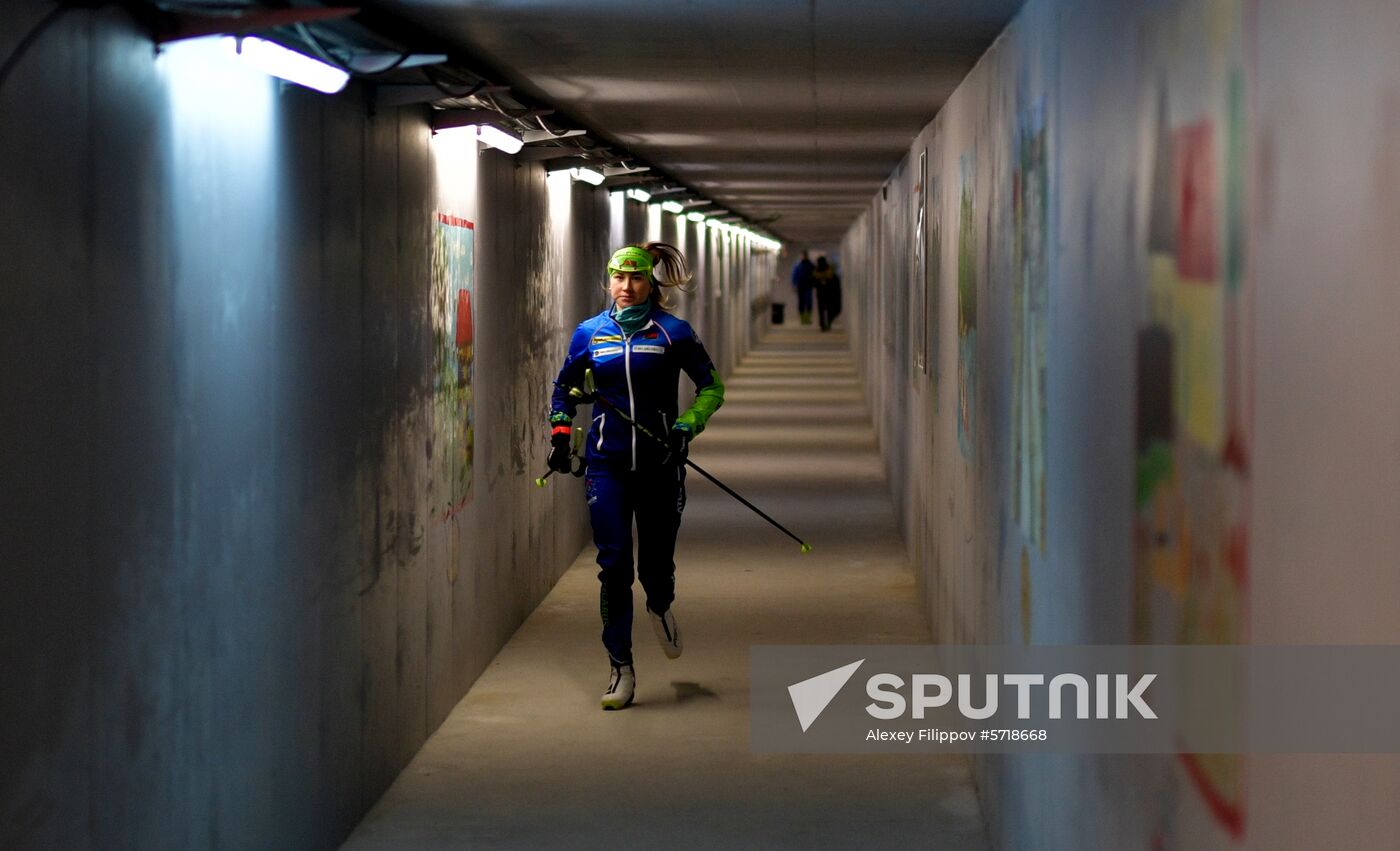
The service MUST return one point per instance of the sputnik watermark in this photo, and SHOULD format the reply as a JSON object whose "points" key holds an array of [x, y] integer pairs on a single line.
{"points": [[885, 690], [811, 696], [1075, 699]]}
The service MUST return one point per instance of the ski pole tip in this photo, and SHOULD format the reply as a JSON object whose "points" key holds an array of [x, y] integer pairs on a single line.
{"points": [[806, 548]]}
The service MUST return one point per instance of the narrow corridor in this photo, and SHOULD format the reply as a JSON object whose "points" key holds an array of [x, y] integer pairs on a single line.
{"points": [[526, 760]]}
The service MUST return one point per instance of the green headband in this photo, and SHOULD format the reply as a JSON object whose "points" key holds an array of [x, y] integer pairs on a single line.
{"points": [[631, 259]]}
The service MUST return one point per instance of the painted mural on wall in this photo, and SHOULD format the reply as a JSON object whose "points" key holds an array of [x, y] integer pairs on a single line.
{"points": [[967, 304], [1030, 300], [453, 438], [1193, 440]]}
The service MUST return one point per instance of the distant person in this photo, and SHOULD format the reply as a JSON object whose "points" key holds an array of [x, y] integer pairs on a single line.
{"points": [[802, 282], [828, 287], [636, 351]]}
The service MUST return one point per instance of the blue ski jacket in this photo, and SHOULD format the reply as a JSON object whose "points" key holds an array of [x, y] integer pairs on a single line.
{"points": [[637, 373]]}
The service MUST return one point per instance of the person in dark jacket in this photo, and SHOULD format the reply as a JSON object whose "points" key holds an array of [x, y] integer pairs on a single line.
{"points": [[802, 282], [828, 287], [636, 351]]}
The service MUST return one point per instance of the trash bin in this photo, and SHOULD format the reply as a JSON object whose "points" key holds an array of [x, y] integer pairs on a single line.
{"points": [[778, 313]]}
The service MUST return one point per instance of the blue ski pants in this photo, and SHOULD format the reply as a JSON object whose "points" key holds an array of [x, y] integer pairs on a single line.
{"points": [[804, 298], [655, 498]]}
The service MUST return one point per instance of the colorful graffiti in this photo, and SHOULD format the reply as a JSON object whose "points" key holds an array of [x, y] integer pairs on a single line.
{"points": [[1193, 376], [1030, 298], [453, 437], [967, 305]]}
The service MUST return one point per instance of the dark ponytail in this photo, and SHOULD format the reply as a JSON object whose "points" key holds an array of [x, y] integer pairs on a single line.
{"points": [[671, 271]]}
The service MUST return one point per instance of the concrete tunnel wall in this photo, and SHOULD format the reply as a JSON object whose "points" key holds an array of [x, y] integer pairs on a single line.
{"points": [[259, 536], [1155, 231]]}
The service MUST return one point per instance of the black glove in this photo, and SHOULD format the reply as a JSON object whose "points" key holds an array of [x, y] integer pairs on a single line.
{"points": [[559, 450], [679, 445]]}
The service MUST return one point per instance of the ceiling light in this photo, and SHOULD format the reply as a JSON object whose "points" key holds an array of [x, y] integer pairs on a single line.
{"points": [[695, 216], [275, 60], [485, 134], [466, 133], [639, 195], [672, 207], [499, 139], [587, 175]]}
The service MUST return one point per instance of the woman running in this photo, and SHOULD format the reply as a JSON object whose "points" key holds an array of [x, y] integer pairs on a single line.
{"points": [[636, 351]]}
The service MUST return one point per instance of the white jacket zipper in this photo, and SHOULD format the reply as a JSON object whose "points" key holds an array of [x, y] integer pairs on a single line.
{"points": [[627, 368], [631, 403]]}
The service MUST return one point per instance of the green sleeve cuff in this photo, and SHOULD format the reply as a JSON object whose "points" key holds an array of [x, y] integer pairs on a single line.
{"points": [[707, 401], [560, 417]]}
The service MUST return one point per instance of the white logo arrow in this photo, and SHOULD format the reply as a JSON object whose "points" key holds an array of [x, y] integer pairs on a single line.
{"points": [[810, 697]]}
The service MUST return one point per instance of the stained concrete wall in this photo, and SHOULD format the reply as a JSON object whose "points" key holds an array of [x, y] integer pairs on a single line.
{"points": [[1162, 411], [244, 574]]}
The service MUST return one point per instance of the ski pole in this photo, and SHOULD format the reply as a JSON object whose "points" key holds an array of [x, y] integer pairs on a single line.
{"points": [[574, 452], [578, 472], [579, 394]]}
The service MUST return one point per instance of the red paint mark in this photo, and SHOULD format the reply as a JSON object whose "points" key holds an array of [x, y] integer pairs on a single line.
{"points": [[1235, 456], [456, 508], [455, 221], [1237, 554], [1197, 256], [1226, 812], [464, 319]]}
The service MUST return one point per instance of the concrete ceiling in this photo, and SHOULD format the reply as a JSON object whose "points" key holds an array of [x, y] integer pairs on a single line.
{"points": [[797, 109]]}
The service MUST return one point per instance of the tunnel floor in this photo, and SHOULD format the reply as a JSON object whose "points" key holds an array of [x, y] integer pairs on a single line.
{"points": [[527, 759]]}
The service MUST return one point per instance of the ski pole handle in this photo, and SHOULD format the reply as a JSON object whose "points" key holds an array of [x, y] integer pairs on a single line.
{"points": [[580, 395]]}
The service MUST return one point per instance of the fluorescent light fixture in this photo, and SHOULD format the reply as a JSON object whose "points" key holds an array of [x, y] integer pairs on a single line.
{"points": [[466, 133], [695, 217], [486, 135], [672, 207], [587, 175], [275, 60], [499, 139], [639, 195]]}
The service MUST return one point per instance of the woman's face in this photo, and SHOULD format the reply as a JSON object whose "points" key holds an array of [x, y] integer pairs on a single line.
{"points": [[629, 288]]}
